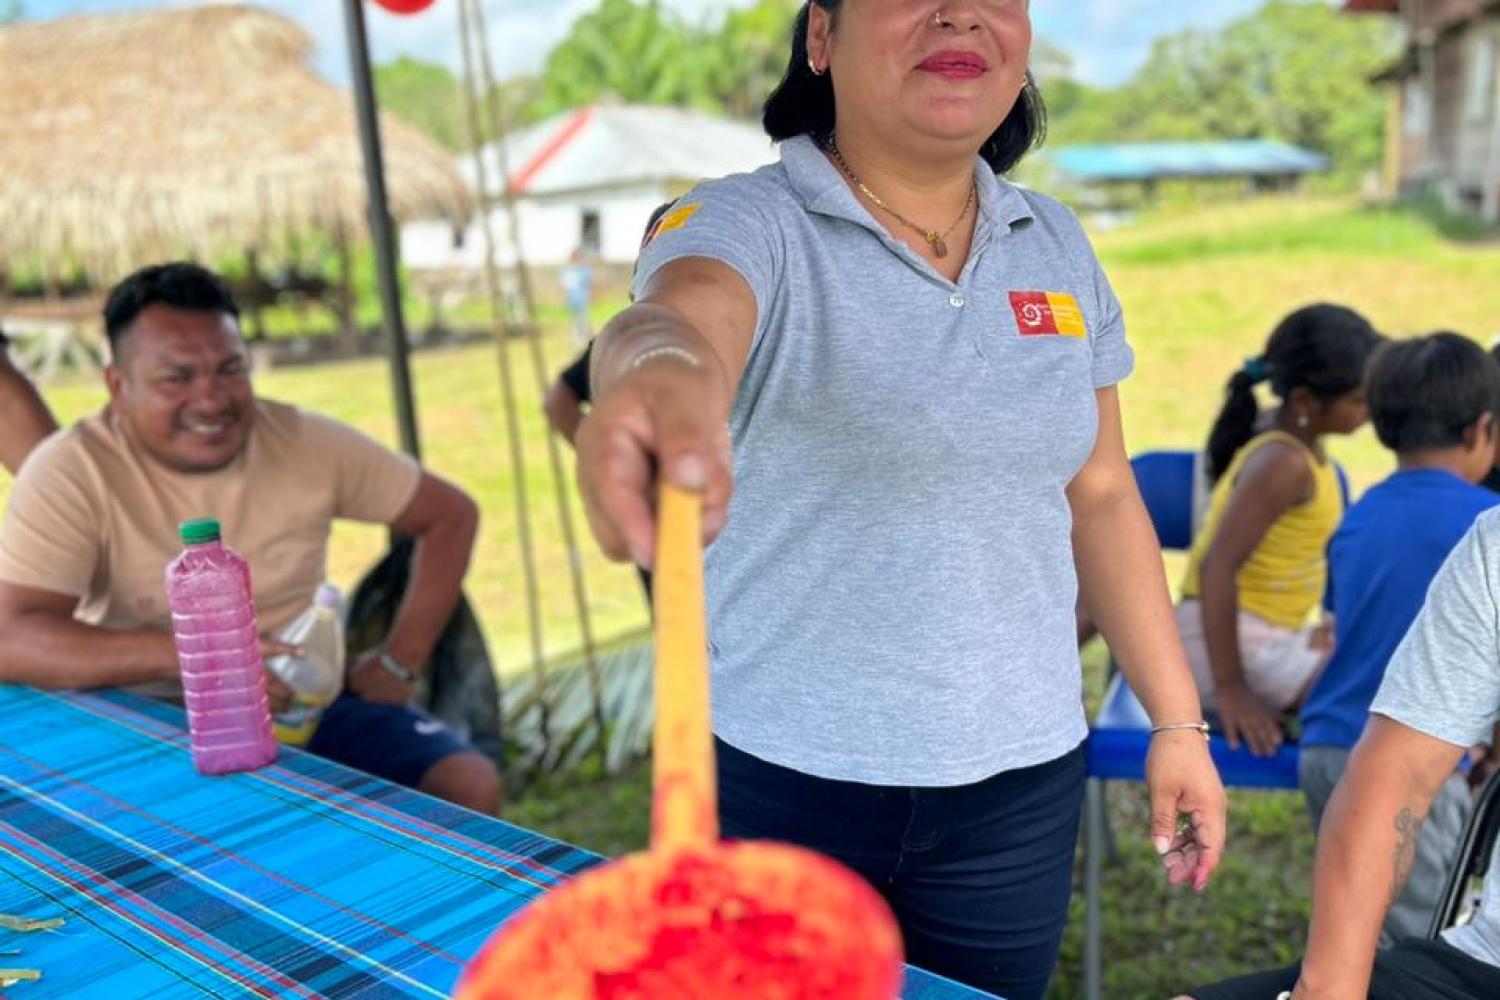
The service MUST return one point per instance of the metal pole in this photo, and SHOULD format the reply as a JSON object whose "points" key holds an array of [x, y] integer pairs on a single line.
{"points": [[1093, 858], [382, 231]]}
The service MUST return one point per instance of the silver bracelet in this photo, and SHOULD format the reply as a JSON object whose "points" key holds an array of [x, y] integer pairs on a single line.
{"points": [[667, 351], [1201, 727], [397, 669]]}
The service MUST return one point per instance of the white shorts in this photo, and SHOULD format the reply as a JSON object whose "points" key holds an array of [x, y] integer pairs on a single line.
{"points": [[1279, 663]]}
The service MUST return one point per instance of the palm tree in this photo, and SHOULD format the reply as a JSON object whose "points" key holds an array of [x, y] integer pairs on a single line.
{"points": [[633, 51], [750, 54]]}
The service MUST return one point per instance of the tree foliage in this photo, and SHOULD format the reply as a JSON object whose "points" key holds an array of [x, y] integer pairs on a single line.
{"points": [[633, 51], [639, 52], [749, 55], [1295, 70], [425, 95]]}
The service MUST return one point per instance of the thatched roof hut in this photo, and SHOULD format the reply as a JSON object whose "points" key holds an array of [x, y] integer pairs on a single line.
{"points": [[132, 137]]}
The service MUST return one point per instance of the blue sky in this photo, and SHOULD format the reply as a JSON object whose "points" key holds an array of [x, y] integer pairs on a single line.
{"points": [[1107, 38]]}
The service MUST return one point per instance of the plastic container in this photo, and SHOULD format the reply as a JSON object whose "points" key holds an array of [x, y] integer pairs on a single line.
{"points": [[317, 677], [218, 651]]}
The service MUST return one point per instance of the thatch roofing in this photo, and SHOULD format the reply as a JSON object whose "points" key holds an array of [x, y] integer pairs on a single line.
{"points": [[132, 137]]}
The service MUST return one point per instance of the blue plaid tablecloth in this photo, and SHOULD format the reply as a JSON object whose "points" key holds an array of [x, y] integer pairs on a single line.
{"points": [[303, 879]]}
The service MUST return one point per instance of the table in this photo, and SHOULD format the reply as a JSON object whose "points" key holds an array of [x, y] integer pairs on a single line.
{"points": [[303, 879]]}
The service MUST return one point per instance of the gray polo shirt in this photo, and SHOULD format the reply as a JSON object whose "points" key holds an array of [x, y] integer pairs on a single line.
{"points": [[892, 600], [1444, 681]]}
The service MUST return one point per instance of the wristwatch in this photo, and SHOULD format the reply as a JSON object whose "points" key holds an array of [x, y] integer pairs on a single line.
{"points": [[394, 667]]}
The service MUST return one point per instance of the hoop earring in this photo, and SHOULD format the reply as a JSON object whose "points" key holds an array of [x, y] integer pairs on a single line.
{"points": [[812, 67]]}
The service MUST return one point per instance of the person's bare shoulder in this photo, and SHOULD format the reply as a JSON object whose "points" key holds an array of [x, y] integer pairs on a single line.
{"points": [[1279, 469]]}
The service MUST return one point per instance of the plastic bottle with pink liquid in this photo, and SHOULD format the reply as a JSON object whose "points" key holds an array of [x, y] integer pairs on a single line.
{"points": [[218, 649]]}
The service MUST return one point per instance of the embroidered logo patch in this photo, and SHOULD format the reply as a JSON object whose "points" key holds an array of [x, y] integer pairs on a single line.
{"points": [[673, 221], [1048, 314]]}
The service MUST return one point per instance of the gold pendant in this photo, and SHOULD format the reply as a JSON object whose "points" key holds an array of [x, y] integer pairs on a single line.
{"points": [[939, 246]]}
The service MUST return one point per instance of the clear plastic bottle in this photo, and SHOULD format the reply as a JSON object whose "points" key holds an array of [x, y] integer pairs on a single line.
{"points": [[317, 676], [218, 650]]}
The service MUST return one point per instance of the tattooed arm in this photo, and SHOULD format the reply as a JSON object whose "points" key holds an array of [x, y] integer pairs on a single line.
{"points": [[1365, 852]]}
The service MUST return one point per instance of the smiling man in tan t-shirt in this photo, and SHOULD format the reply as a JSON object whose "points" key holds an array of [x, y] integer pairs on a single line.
{"points": [[92, 521]]}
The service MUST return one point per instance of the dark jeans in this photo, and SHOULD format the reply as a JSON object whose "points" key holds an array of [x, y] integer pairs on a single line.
{"points": [[395, 742], [978, 875], [1415, 969]]}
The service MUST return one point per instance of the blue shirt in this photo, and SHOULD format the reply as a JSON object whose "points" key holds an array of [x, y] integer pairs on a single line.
{"points": [[578, 285], [1380, 562]]}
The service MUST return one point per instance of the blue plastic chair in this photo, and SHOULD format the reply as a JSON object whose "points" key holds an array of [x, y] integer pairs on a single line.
{"points": [[1120, 736], [1167, 481]]}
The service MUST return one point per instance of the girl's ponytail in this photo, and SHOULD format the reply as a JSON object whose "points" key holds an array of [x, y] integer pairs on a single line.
{"points": [[1235, 425]]}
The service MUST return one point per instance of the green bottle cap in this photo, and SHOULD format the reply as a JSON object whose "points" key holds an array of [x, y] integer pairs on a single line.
{"points": [[199, 532]]}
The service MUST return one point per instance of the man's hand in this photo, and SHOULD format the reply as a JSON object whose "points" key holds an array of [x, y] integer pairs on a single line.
{"points": [[278, 694], [372, 682], [277, 690]]}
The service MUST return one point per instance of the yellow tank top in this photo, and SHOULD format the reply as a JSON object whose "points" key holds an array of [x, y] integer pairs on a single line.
{"points": [[1284, 578]]}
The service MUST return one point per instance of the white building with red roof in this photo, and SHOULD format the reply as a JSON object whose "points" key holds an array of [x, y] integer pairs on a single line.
{"points": [[588, 180]]}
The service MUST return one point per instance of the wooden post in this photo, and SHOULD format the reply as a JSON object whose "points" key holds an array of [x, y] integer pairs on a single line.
{"points": [[349, 332]]}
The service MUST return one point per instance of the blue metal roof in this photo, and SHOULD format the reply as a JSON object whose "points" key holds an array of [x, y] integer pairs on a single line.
{"points": [[1141, 161]]}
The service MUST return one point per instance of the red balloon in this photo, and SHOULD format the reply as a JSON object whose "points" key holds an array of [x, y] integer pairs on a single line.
{"points": [[405, 6]]}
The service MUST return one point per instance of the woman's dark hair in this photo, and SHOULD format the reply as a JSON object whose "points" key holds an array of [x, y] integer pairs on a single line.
{"points": [[1425, 392], [1323, 349], [802, 104], [180, 284]]}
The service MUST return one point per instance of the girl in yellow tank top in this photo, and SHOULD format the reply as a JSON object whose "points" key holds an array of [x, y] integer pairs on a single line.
{"points": [[1257, 569]]}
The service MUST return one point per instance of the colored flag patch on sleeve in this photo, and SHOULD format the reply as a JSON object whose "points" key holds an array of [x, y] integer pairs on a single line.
{"points": [[673, 221], [1048, 314]]}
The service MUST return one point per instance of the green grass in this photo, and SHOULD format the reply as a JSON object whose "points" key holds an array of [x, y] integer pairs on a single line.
{"points": [[609, 815], [1201, 291]]}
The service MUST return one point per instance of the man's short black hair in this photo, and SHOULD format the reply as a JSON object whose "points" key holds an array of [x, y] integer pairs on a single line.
{"points": [[1425, 392], [180, 284]]}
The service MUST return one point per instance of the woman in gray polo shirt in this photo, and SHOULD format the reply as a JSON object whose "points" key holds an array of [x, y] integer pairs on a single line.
{"points": [[911, 366]]}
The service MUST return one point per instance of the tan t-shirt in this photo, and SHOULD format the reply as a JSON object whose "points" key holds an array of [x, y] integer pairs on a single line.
{"points": [[91, 515]]}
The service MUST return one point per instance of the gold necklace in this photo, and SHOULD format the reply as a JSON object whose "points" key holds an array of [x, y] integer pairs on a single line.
{"points": [[938, 241]]}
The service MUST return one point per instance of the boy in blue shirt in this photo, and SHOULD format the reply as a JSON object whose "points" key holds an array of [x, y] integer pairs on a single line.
{"points": [[1433, 401]]}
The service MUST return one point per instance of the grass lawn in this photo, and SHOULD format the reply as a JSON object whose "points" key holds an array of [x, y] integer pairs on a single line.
{"points": [[1201, 291]]}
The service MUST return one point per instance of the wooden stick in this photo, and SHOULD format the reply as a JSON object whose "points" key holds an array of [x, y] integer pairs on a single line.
{"points": [[685, 813]]}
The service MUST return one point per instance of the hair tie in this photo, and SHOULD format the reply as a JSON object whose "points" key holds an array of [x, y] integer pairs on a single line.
{"points": [[1256, 370]]}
